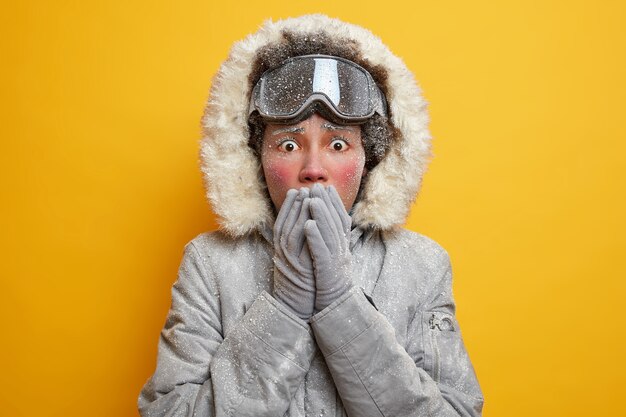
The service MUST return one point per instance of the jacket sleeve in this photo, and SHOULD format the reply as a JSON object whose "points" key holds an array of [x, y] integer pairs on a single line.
{"points": [[254, 370], [376, 376]]}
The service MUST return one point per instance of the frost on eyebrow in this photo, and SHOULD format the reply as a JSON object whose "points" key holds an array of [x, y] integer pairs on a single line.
{"points": [[331, 126], [288, 130]]}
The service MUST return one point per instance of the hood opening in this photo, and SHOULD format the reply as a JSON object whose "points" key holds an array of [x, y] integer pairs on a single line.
{"points": [[231, 170]]}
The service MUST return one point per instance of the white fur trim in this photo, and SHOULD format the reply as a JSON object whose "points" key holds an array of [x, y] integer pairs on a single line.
{"points": [[232, 173]]}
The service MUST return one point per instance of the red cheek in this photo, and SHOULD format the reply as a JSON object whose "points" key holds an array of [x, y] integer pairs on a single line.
{"points": [[280, 175], [347, 175]]}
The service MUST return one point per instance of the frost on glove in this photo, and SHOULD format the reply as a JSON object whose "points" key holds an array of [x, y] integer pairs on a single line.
{"points": [[328, 240], [294, 283]]}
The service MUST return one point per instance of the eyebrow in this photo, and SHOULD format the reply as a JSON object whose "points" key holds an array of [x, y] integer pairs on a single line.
{"points": [[328, 126], [331, 126], [288, 130]]}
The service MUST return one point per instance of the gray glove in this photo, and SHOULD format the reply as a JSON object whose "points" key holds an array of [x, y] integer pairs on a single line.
{"points": [[328, 239], [294, 284]]}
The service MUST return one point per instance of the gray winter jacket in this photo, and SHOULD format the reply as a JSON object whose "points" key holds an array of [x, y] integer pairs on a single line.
{"points": [[230, 349], [389, 347]]}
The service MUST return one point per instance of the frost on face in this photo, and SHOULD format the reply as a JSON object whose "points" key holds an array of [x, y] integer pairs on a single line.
{"points": [[312, 151]]}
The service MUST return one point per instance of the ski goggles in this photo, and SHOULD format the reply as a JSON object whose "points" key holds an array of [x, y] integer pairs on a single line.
{"points": [[349, 92]]}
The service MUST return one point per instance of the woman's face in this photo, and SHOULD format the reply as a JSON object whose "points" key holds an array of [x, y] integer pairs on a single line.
{"points": [[314, 150]]}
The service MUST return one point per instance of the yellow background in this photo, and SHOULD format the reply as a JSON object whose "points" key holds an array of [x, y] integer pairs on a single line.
{"points": [[101, 103]]}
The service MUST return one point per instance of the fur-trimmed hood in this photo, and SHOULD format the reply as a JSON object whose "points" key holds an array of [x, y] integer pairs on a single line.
{"points": [[232, 173]]}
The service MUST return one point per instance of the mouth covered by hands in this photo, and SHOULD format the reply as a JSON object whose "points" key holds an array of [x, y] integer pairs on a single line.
{"points": [[312, 250]]}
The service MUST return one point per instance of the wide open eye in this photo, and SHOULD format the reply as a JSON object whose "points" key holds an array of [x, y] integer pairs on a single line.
{"points": [[288, 146], [339, 145]]}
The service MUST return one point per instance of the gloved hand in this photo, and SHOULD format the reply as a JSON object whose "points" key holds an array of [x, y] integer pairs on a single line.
{"points": [[328, 239], [294, 284]]}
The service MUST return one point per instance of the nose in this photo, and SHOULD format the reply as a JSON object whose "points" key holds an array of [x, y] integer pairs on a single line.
{"points": [[313, 169]]}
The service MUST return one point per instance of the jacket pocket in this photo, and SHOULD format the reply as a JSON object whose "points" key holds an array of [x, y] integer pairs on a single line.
{"points": [[445, 357]]}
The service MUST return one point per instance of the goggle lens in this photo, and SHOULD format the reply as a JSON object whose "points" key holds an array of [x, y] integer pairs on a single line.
{"points": [[344, 87]]}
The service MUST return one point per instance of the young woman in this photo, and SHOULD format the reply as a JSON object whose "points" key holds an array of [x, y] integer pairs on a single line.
{"points": [[312, 300]]}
